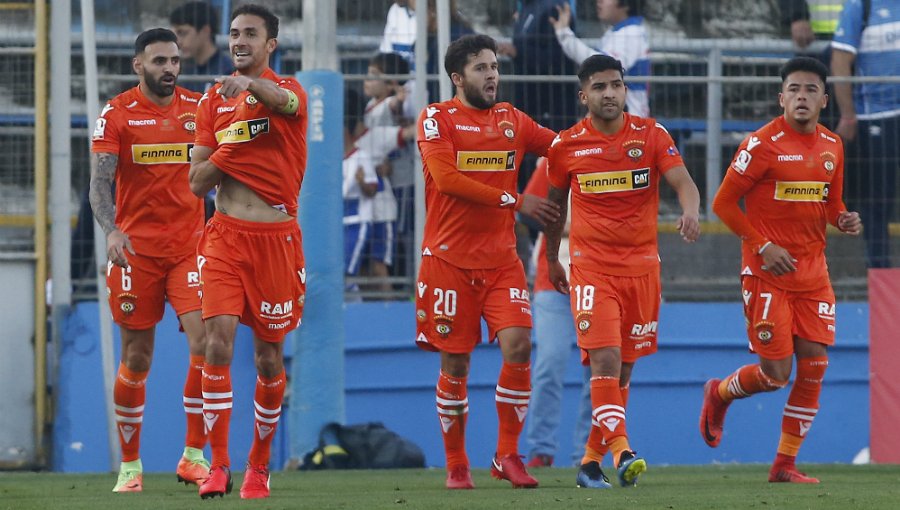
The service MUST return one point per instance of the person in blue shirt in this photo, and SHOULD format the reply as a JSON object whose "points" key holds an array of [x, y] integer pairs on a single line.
{"points": [[866, 43]]}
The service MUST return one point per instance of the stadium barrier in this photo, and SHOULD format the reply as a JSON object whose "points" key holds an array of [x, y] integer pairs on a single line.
{"points": [[391, 381]]}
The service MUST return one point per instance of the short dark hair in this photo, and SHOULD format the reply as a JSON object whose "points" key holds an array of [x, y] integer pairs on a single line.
{"points": [[264, 13], [460, 50], [390, 63], [635, 7], [197, 15], [807, 64], [154, 35], [596, 64]]}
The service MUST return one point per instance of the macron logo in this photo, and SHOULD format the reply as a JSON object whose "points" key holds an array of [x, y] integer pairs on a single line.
{"points": [[210, 419], [127, 432], [588, 152], [804, 427], [142, 122], [446, 423], [521, 412], [264, 431], [753, 142], [422, 288], [507, 200], [612, 423]]}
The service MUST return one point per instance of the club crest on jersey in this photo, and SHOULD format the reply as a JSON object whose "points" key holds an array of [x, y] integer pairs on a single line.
{"points": [[443, 325], [187, 122], [634, 149], [583, 321], [127, 302], [764, 331], [828, 162], [251, 101], [506, 127]]}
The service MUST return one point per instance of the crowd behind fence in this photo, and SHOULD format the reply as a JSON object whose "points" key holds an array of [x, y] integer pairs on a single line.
{"points": [[708, 92]]}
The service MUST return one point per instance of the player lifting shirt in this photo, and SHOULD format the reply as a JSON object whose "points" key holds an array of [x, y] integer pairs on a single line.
{"points": [[251, 143]]}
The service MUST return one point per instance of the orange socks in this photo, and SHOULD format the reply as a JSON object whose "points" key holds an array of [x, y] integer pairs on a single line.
{"points": [[217, 398], [608, 431], [597, 450], [453, 409], [513, 394], [129, 395], [802, 404], [267, 401], [193, 404], [746, 381]]}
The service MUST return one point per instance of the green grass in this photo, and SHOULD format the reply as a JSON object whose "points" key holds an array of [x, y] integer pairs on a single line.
{"points": [[708, 487]]}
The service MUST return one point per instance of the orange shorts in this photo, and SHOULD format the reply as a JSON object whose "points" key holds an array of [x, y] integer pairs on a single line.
{"points": [[450, 302], [615, 311], [254, 271], [775, 316], [137, 294]]}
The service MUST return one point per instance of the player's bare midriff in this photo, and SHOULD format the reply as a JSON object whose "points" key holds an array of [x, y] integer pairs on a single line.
{"points": [[238, 201]]}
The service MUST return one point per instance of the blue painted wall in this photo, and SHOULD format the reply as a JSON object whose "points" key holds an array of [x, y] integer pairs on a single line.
{"points": [[389, 380]]}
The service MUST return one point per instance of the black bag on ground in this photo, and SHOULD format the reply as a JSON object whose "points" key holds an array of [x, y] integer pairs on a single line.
{"points": [[363, 446]]}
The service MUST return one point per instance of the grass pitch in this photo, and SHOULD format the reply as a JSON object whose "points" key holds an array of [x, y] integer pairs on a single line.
{"points": [[843, 487]]}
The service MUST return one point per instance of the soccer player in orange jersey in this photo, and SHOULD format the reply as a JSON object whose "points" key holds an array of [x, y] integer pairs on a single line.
{"points": [[251, 143], [612, 162], [471, 148], [790, 174], [142, 143]]}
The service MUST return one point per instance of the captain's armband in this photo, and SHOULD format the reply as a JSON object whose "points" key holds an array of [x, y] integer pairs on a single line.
{"points": [[292, 103]]}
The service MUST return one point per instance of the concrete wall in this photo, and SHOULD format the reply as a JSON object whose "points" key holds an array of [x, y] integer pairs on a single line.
{"points": [[389, 380]]}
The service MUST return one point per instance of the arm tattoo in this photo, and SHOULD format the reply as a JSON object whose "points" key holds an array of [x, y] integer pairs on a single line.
{"points": [[103, 174], [553, 230]]}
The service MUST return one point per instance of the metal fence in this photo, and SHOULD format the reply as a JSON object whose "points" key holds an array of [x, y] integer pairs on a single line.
{"points": [[709, 92]]}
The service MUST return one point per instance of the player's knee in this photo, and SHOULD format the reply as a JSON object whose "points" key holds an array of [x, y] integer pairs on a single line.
{"points": [[773, 378], [517, 350], [269, 362]]}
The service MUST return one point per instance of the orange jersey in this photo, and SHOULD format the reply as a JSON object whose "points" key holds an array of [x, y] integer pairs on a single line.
{"points": [[154, 203], [792, 185], [615, 192], [262, 149], [471, 161]]}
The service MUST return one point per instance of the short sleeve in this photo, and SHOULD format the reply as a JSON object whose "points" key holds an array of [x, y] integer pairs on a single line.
{"points": [[205, 131], [557, 168], [666, 153], [105, 137], [295, 87]]}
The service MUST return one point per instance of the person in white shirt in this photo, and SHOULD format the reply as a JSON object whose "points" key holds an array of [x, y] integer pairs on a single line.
{"points": [[400, 30], [370, 208], [626, 41]]}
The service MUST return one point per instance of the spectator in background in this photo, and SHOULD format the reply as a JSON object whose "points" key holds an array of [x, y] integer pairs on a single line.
{"points": [[626, 41], [195, 25], [535, 51], [865, 44], [400, 30], [362, 190], [383, 140], [808, 21]]}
